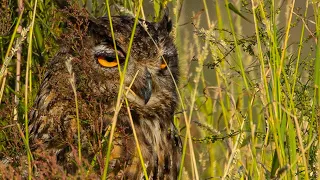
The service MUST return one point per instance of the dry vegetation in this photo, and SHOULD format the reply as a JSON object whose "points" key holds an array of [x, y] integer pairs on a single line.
{"points": [[249, 101]]}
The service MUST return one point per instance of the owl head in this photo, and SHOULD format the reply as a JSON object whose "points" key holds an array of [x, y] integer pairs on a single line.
{"points": [[152, 65]]}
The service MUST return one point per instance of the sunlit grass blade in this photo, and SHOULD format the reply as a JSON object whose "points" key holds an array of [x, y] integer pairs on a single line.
{"points": [[29, 59], [122, 78]]}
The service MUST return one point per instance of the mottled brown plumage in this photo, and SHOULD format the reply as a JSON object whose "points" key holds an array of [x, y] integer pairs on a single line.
{"points": [[153, 98]]}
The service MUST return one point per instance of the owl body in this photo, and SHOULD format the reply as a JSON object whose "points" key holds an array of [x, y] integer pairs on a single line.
{"points": [[152, 100]]}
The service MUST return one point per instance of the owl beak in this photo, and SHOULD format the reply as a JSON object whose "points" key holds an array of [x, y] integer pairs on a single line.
{"points": [[146, 91]]}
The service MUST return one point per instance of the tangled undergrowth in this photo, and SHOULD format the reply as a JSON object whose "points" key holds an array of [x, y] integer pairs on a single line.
{"points": [[249, 85]]}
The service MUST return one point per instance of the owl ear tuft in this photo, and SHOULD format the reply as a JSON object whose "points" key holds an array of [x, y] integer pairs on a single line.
{"points": [[165, 23]]}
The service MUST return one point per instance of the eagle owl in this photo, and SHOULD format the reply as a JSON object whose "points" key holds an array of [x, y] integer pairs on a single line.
{"points": [[152, 99]]}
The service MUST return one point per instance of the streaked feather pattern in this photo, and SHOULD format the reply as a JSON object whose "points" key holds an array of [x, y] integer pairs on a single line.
{"points": [[53, 127]]}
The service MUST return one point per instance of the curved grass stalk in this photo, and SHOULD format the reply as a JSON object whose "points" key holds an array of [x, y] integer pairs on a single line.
{"points": [[74, 89], [293, 88], [299, 54], [296, 161], [187, 121], [238, 53], [109, 129], [26, 89], [234, 150], [122, 77], [7, 58], [193, 100], [273, 115], [136, 140], [188, 136], [284, 47], [261, 60]]}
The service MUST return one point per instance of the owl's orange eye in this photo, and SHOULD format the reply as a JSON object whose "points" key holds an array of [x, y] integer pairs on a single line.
{"points": [[107, 61], [163, 65]]}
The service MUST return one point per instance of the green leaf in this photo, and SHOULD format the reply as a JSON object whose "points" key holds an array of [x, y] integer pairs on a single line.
{"points": [[235, 10]]}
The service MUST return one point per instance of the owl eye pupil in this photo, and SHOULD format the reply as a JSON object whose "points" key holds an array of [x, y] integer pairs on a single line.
{"points": [[110, 59]]}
